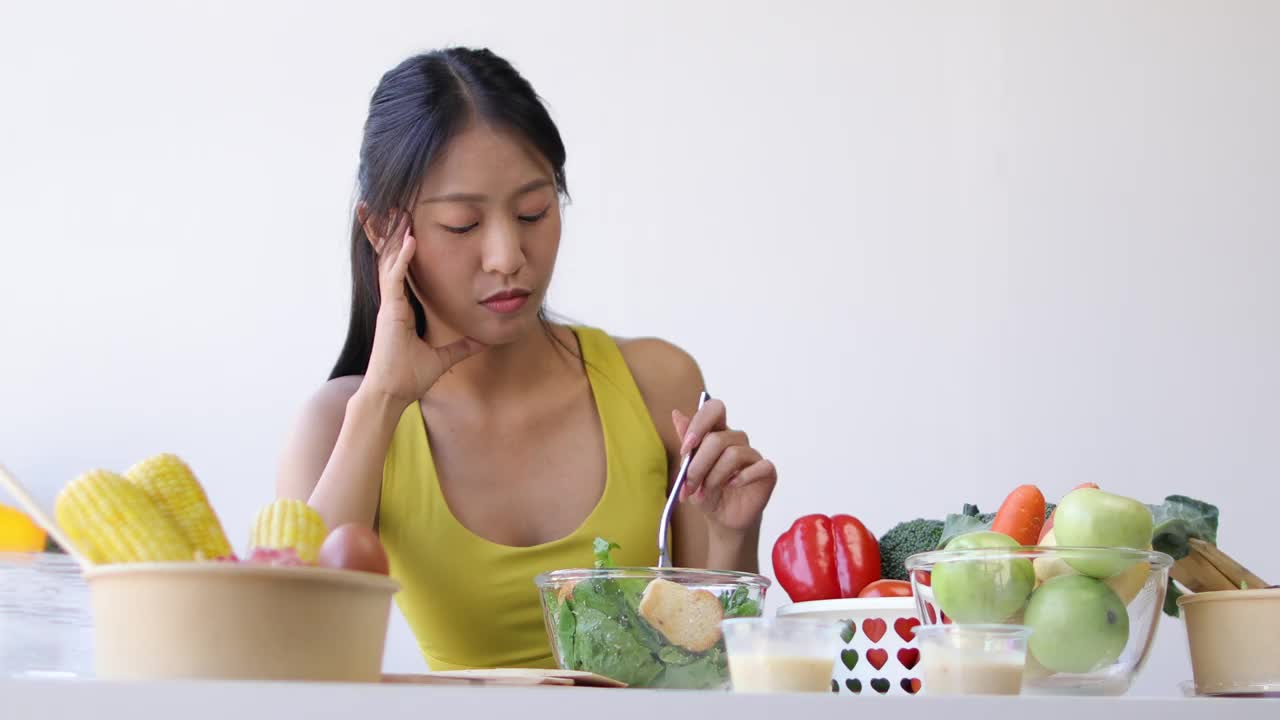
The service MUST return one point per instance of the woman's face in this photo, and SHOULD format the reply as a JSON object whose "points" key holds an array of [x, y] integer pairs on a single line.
{"points": [[487, 224]]}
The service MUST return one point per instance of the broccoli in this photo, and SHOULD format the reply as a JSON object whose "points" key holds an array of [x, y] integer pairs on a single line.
{"points": [[906, 539]]}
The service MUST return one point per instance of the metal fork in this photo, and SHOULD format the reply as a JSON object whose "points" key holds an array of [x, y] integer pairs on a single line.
{"points": [[664, 526]]}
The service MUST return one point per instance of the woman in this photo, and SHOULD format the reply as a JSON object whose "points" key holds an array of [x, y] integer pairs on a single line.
{"points": [[485, 443]]}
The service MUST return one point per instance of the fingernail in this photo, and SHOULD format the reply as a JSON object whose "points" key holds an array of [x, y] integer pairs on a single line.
{"points": [[687, 445]]}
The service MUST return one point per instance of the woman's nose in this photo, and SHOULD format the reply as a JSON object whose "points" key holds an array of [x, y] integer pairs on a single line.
{"points": [[501, 251]]}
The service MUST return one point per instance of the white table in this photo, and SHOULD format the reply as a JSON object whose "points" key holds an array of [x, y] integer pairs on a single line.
{"points": [[77, 700]]}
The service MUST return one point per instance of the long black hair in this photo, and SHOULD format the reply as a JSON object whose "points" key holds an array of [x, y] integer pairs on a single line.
{"points": [[418, 106]]}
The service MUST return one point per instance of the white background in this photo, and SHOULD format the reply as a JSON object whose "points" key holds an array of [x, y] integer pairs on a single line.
{"points": [[926, 251]]}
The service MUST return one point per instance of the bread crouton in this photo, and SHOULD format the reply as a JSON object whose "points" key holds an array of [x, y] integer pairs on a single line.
{"points": [[688, 618], [566, 591]]}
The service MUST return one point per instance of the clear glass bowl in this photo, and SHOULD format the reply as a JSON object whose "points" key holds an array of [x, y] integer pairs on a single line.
{"points": [[1093, 612], [608, 622], [46, 626]]}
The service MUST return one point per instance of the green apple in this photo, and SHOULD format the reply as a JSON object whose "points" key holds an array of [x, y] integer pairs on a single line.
{"points": [[981, 590], [1093, 518], [1078, 624]]}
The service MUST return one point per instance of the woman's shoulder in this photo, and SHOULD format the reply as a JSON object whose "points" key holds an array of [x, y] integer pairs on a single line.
{"points": [[323, 412], [332, 396], [315, 432], [657, 357], [668, 377]]}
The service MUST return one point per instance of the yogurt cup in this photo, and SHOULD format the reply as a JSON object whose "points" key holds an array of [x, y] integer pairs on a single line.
{"points": [[972, 659], [780, 655]]}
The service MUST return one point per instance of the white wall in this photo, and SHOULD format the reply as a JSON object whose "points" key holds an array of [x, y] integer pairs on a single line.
{"points": [[925, 250]]}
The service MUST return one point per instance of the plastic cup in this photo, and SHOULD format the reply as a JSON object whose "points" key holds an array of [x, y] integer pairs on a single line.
{"points": [[972, 659], [781, 655]]}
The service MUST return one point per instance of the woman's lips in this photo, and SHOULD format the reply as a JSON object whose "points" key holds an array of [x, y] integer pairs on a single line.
{"points": [[505, 303]]}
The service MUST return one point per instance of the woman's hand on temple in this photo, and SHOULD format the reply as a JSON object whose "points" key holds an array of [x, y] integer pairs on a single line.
{"points": [[403, 366]]}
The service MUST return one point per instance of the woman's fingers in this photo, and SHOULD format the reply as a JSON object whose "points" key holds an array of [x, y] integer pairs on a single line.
{"points": [[760, 471], [711, 417], [397, 269], [457, 351], [708, 455], [732, 462], [681, 421]]}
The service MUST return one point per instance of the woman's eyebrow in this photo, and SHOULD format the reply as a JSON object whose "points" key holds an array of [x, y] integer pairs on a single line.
{"points": [[479, 198]]}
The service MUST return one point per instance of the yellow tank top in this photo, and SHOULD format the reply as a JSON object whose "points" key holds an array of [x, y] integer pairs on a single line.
{"points": [[472, 603]]}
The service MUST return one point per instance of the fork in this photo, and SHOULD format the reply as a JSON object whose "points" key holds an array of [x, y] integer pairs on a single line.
{"points": [[664, 526]]}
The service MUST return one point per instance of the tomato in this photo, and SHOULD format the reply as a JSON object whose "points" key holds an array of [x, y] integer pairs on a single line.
{"points": [[886, 589]]}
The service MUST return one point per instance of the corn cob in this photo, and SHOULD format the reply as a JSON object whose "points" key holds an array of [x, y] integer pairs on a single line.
{"points": [[111, 520], [171, 485], [289, 523]]}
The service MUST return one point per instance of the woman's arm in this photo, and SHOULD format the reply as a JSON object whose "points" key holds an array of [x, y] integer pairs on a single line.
{"points": [[669, 379], [334, 459]]}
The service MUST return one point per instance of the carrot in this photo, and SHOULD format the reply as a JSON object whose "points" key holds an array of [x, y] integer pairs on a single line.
{"points": [[1021, 515], [1048, 525]]}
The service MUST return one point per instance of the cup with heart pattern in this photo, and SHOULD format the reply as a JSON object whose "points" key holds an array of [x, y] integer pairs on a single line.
{"points": [[878, 650]]}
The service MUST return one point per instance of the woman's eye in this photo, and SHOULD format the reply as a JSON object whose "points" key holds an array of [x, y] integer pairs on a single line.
{"points": [[460, 230], [535, 218]]}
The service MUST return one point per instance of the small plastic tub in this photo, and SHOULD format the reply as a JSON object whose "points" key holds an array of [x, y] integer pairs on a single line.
{"points": [[780, 655], [1232, 636], [973, 659], [46, 628]]}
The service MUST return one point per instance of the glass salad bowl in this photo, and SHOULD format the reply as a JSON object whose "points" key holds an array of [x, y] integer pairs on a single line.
{"points": [[1092, 612], [647, 627]]}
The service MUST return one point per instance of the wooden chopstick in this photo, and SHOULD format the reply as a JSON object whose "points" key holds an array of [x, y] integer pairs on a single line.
{"points": [[1208, 569], [1238, 574]]}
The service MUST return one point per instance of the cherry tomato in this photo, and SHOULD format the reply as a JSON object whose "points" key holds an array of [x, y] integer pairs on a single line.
{"points": [[886, 588]]}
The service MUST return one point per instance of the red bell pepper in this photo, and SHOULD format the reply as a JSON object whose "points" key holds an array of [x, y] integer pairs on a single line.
{"points": [[824, 558]]}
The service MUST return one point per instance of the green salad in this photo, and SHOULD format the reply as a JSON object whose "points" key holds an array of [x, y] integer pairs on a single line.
{"points": [[600, 626]]}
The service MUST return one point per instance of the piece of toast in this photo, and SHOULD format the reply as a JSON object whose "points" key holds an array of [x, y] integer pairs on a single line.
{"points": [[687, 618], [566, 591]]}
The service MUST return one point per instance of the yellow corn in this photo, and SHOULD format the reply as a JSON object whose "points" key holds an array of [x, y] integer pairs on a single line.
{"points": [[111, 520], [288, 523], [171, 485]]}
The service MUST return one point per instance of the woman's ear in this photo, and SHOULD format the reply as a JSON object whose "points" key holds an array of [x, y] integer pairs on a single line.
{"points": [[376, 230], [370, 232]]}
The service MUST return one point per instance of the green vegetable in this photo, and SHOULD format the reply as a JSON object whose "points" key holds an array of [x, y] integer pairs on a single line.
{"points": [[604, 646], [1179, 519], [739, 603], [906, 539], [1171, 595], [707, 671], [966, 521], [674, 655], [603, 551], [599, 629], [566, 628]]}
